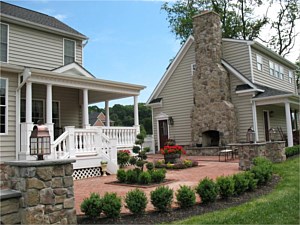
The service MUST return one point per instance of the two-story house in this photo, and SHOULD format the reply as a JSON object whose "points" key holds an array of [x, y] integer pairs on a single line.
{"points": [[43, 79], [216, 88]]}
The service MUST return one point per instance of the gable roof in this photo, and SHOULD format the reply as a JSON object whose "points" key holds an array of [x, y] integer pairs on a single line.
{"points": [[27, 16], [75, 69]]}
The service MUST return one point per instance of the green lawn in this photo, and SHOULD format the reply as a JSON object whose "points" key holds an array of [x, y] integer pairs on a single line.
{"points": [[281, 206]]}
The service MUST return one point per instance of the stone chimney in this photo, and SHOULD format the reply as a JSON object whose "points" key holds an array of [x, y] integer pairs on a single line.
{"points": [[213, 115]]}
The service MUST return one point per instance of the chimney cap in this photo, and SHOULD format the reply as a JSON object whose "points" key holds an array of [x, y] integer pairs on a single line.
{"points": [[202, 13]]}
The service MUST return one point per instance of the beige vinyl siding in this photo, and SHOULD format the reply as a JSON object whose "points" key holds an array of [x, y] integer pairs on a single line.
{"points": [[243, 107], [276, 120], [178, 99], [8, 141], [264, 78], [68, 98], [33, 48], [237, 55]]}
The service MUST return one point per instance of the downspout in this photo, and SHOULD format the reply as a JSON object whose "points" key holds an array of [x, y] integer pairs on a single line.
{"points": [[26, 75]]}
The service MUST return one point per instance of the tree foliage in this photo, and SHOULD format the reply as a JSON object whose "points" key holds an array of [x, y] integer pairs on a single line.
{"points": [[123, 115]]}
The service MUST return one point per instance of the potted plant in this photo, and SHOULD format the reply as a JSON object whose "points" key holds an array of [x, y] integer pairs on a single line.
{"points": [[104, 167], [172, 153]]}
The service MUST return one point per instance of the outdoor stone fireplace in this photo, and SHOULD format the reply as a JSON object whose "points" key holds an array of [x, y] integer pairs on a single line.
{"points": [[213, 115]]}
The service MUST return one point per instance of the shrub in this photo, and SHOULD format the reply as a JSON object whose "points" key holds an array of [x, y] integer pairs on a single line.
{"points": [[121, 175], [207, 189], [111, 205], [147, 149], [241, 183], [188, 163], [131, 176], [136, 201], [140, 163], [161, 198], [144, 178], [92, 206], [149, 166], [159, 164], [132, 160], [252, 184], [226, 186], [136, 149], [169, 165], [179, 165], [294, 150], [185, 197], [123, 157], [158, 175], [262, 170]]}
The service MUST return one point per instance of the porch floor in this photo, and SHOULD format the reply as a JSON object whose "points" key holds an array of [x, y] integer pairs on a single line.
{"points": [[208, 166]]}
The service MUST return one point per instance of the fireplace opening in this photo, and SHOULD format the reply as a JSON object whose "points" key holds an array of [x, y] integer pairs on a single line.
{"points": [[210, 138]]}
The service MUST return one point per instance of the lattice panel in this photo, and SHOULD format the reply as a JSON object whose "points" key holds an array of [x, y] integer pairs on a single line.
{"points": [[86, 172]]}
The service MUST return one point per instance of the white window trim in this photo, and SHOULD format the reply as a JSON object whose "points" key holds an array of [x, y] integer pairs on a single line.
{"points": [[63, 59], [259, 61], [34, 99], [290, 76], [59, 118], [7, 52], [276, 70], [281, 72], [271, 67], [193, 68], [6, 107]]}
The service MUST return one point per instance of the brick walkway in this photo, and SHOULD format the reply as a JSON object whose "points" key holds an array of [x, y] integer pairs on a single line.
{"points": [[208, 166]]}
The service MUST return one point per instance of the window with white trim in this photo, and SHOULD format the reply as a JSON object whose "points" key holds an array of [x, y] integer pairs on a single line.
{"points": [[3, 105], [281, 72], [276, 70], [291, 76], [3, 42], [271, 65], [193, 68], [37, 111], [259, 62], [69, 51]]}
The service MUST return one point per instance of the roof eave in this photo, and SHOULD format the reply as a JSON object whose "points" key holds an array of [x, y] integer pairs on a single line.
{"points": [[27, 23]]}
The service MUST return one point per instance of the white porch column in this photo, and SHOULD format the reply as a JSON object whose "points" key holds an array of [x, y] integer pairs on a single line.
{"points": [[136, 113], [254, 117], [49, 121], [85, 118], [107, 120], [28, 102], [288, 124]]}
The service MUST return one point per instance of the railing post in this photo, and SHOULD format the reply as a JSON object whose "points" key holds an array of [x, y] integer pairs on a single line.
{"points": [[113, 151], [99, 141], [70, 142]]}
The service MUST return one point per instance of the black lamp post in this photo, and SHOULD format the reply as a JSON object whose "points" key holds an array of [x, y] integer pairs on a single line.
{"points": [[250, 136], [40, 142]]}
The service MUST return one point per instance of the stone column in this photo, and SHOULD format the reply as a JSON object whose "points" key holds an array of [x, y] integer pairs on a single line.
{"points": [[47, 193]]}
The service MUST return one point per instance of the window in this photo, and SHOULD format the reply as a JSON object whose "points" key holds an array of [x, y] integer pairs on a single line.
{"points": [[4, 42], [69, 51], [37, 111], [271, 65], [3, 105], [259, 62], [281, 72], [291, 75], [276, 70], [193, 68]]}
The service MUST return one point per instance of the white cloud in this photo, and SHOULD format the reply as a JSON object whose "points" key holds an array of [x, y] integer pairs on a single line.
{"points": [[60, 17], [52, 12]]}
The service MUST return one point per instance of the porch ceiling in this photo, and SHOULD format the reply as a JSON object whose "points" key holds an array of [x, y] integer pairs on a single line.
{"points": [[280, 100]]}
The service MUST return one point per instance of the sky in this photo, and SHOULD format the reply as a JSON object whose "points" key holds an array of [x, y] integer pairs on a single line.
{"points": [[129, 41]]}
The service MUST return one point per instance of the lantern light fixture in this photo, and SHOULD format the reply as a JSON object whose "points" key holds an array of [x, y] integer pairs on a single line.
{"points": [[40, 141], [272, 134], [250, 135]]}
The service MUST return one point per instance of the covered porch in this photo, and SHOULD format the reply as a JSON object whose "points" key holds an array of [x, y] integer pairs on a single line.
{"points": [[60, 99], [279, 112]]}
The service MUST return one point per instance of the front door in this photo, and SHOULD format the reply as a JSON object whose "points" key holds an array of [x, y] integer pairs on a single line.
{"points": [[266, 124], [163, 132]]}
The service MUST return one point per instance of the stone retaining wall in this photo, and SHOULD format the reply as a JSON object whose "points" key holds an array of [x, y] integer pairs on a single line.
{"points": [[10, 205], [47, 191]]}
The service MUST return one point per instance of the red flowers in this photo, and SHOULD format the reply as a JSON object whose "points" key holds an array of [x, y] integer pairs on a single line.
{"points": [[125, 151], [175, 149]]}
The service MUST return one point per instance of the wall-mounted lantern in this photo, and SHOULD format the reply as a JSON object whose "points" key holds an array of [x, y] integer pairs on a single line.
{"points": [[171, 120], [40, 142], [250, 135], [272, 134]]}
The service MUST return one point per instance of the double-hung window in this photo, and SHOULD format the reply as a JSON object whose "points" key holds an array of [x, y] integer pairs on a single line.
{"points": [[3, 42], [291, 75], [69, 51], [3, 105], [259, 62], [271, 65], [281, 72], [276, 70]]}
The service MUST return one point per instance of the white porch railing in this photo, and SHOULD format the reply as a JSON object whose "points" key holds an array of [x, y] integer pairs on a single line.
{"points": [[125, 136]]}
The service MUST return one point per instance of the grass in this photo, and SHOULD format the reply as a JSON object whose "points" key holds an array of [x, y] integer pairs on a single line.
{"points": [[281, 206]]}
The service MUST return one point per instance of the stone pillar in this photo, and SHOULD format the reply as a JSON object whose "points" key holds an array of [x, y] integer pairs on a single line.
{"points": [[275, 151], [212, 110], [247, 152], [47, 191]]}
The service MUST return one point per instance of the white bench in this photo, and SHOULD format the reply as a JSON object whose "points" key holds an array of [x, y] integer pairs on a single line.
{"points": [[226, 153]]}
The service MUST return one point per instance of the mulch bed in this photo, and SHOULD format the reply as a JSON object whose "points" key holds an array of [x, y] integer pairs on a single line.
{"points": [[154, 217], [166, 181]]}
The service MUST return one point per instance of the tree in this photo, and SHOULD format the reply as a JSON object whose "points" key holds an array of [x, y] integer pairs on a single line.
{"points": [[283, 26], [297, 72], [236, 17]]}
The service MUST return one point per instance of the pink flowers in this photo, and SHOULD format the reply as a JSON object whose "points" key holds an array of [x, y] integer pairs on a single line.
{"points": [[175, 149], [125, 151]]}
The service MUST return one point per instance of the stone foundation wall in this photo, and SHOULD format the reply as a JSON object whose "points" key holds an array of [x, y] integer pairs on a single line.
{"points": [[275, 151], [3, 176], [10, 206], [47, 191]]}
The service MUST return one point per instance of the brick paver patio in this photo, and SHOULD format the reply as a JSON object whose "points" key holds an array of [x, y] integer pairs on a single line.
{"points": [[208, 166]]}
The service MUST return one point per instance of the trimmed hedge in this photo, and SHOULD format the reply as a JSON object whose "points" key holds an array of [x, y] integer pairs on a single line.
{"points": [[207, 190], [136, 201], [290, 151]]}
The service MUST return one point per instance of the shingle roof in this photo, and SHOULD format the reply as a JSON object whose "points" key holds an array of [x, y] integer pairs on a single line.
{"points": [[242, 87], [156, 100], [36, 17], [270, 92]]}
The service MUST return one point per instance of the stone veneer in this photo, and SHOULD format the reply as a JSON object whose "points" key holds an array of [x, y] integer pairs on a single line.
{"points": [[47, 194], [213, 110]]}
